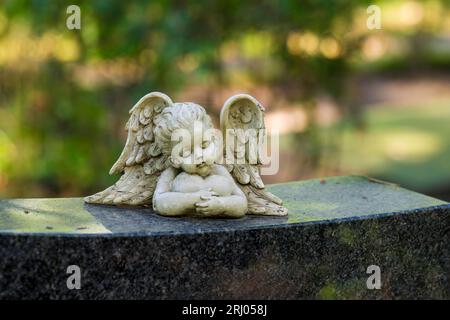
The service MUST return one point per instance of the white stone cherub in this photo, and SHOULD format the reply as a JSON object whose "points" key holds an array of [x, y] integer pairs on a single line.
{"points": [[186, 178]]}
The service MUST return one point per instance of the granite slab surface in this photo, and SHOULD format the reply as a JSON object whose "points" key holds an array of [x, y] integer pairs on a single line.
{"points": [[351, 197], [336, 228]]}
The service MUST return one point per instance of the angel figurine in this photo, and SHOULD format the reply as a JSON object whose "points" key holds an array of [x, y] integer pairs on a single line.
{"points": [[188, 179]]}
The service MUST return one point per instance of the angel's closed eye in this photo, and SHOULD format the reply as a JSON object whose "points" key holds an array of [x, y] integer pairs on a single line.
{"points": [[205, 144], [185, 152]]}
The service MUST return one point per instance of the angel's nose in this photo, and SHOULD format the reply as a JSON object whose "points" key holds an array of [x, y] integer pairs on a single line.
{"points": [[198, 155]]}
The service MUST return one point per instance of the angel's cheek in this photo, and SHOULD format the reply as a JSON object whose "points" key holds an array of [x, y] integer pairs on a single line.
{"points": [[210, 154]]}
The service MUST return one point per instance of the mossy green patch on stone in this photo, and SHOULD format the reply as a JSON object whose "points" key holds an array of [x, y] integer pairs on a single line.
{"points": [[346, 235], [351, 289], [47, 216], [328, 292], [344, 197]]}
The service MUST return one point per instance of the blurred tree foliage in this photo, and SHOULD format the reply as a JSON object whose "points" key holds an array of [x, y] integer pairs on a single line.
{"points": [[64, 94]]}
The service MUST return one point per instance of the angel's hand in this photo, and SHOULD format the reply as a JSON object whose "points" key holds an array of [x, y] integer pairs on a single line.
{"points": [[210, 206], [203, 195]]}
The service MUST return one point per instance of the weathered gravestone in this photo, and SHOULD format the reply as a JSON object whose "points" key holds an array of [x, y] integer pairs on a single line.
{"points": [[345, 237]]}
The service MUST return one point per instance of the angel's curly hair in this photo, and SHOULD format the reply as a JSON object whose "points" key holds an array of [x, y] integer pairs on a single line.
{"points": [[178, 116]]}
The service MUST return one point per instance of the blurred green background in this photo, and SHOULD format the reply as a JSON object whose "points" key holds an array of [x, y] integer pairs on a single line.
{"points": [[346, 99]]}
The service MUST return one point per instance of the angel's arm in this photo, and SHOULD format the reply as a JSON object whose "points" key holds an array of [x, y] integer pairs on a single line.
{"points": [[168, 203], [233, 206]]}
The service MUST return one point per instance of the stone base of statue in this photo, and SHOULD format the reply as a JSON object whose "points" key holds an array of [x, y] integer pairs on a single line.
{"points": [[345, 237]]}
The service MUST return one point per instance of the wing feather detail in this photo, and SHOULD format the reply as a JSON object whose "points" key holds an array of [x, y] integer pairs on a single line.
{"points": [[242, 123], [141, 161]]}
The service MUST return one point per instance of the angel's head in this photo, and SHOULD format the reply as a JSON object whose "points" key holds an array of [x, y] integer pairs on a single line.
{"points": [[183, 131]]}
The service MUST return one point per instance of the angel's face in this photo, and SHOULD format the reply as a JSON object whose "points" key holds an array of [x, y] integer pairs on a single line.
{"points": [[199, 155]]}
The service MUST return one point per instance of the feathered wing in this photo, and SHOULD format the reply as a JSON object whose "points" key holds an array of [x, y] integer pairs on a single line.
{"points": [[244, 112], [142, 159]]}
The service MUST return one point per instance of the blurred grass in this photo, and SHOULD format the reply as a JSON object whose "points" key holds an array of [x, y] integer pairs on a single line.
{"points": [[410, 146], [65, 94], [406, 145]]}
